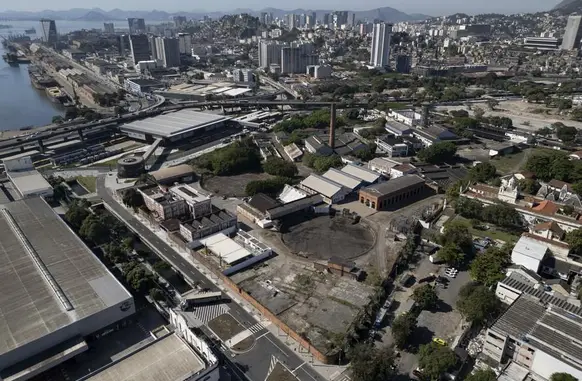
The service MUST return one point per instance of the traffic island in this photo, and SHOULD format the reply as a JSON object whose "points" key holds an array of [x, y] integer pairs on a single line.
{"points": [[225, 327]]}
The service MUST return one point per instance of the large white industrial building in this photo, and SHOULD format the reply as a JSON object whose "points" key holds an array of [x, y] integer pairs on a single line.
{"points": [[55, 291]]}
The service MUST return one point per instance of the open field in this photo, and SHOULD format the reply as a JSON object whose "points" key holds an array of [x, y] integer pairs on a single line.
{"points": [[493, 232], [87, 182], [324, 237], [522, 114], [231, 186]]}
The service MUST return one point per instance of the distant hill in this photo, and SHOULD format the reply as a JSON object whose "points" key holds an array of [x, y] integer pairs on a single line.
{"points": [[568, 6], [96, 14]]}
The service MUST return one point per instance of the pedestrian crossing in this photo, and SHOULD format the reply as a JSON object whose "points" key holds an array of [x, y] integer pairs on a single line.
{"points": [[256, 328], [209, 312]]}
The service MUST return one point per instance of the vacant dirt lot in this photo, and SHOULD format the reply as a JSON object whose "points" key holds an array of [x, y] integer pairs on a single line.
{"points": [[231, 186], [324, 237]]}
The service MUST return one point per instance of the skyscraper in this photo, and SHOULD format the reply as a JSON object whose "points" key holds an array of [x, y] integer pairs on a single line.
{"points": [[339, 18], [153, 49], [49, 31], [573, 33], [136, 26], [380, 56], [296, 58], [269, 53], [140, 47], [263, 18], [185, 43], [179, 21], [109, 27], [168, 51], [326, 19], [311, 18]]}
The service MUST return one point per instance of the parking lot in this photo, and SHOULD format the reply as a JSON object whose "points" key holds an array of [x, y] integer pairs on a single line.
{"points": [[443, 322]]}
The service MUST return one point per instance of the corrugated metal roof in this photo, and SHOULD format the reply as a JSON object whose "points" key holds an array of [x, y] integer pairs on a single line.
{"points": [[343, 178], [362, 173], [321, 185]]}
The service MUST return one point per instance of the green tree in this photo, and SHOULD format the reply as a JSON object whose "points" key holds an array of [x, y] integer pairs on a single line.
{"points": [[132, 198], [156, 294], [489, 267], [425, 297], [95, 229], [371, 364], [279, 167], [438, 153], [115, 253], [379, 85], [161, 266], [529, 186], [478, 112], [402, 328], [562, 377], [435, 360], [483, 172], [477, 303], [561, 169], [269, 186], [574, 239], [323, 163], [482, 375], [138, 277], [566, 134], [77, 213], [456, 233], [451, 255]]}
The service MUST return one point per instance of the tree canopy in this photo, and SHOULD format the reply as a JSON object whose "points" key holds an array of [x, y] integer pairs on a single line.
{"points": [[548, 165], [77, 212], [489, 267], [425, 297], [402, 328], [451, 254], [483, 172], [322, 163], [279, 167], [477, 303], [500, 214], [483, 375], [438, 153], [270, 187], [574, 239], [562, 377], [457, 234], [239, 157], [132, 198], [371, 364], [435, 360]]}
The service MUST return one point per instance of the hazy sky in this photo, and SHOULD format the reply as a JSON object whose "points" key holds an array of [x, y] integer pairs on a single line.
{"points": [[431, 7]]}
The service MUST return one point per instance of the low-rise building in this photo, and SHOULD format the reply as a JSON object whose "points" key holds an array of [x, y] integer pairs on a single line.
{"points": [[331, 191], [164, 205], [382, 165], [540, 333], [403, 169], [198, 205], [367, 176], [344, 179], [26, 180], [392, 146], [408, 117], [529, 253], [434, 134], [394, 193], [218, 221], [140, 86]]}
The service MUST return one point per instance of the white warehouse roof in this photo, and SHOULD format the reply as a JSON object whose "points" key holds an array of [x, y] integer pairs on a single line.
{"points": [[362, 173], [225, 248], [174, 123], [321, 185], [345, 179]]}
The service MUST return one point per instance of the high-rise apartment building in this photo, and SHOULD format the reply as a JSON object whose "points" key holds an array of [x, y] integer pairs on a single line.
{"points": [[326, 18], [339, 18], [123, 44], [153, 49], [292, 21], [49, 32], [310, 20], [380, 56], [263, 18], [140, 47], [366, 28], [180, 20], [109, 27], [296, 57], [185, 43], [573, 33], [136, 26], [168, 51], [269, 53], [403, 63]]}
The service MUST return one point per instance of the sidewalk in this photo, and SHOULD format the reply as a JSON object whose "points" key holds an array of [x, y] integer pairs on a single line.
{"points": [[330, 372]]}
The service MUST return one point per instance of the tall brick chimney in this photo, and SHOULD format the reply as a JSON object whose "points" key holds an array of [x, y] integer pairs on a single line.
{"points": [[332, 126]]}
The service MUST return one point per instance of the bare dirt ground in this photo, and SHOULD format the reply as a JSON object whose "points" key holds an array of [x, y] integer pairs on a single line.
{"points": [[522, 112], [324, 237], [231, 186], [225, 326]]}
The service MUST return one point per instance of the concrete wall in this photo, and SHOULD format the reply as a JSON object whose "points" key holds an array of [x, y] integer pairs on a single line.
{"points": [[545, 365]]}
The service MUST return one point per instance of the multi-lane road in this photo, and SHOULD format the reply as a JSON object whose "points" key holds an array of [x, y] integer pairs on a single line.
{"points": [[256, 362]]}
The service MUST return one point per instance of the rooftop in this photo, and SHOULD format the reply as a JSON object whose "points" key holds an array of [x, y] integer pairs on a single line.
{"points": [[326, 187], [166, 359], [174, 123], [343, 178], [225, 248], [72, 285], [188, 193], [29, 181], [394, 185], [171, 172], [362, 173], [216, 217], [531, 248]]}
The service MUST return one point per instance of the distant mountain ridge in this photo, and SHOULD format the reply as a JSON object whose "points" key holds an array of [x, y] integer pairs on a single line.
{"points": [[568, 6], [387, 14]]}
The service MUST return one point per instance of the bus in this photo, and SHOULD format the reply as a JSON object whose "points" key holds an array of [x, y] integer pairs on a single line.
{"points": [[200, 299]]}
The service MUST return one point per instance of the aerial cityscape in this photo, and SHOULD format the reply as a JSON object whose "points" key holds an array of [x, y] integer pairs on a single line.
{"points": [[367, 194]]}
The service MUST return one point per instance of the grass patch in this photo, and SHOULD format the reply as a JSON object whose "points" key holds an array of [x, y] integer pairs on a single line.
{"points": [[494, 232], [88, 182], [509, 163]]}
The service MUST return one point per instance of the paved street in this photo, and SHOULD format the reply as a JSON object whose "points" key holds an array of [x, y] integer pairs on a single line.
{"points": [[254, 363]]}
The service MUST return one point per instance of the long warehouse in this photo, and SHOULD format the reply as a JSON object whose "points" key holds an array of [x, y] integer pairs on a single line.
{"points": [[55, 291]]}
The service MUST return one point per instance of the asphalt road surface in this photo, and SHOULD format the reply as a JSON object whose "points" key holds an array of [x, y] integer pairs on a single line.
{"points": [[254, 363]]}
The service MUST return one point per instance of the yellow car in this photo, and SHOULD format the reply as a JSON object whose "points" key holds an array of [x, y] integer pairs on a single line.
{"points": [[439, 341]]}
